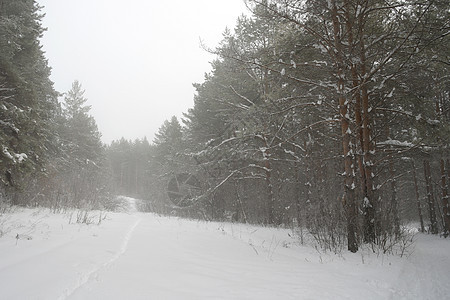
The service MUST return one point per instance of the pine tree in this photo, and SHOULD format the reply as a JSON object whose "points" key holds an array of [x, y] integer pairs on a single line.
{"points": [[82, 137], [81, 166], [28, 102]]}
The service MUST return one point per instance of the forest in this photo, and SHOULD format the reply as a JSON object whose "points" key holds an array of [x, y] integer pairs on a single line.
{"points": [[331, 116]]}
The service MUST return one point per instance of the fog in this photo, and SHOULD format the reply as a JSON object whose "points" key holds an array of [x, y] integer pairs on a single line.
{"points": [[136, 60]]}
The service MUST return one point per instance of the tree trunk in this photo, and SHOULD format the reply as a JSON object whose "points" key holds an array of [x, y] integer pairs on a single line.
{"points": [[349, 182], [430, 197], [445, 206], [240, 206], [298, 208], [394, 200], [360, 124], [362, 120], [270, 194], [419, 206], [368, 151]]}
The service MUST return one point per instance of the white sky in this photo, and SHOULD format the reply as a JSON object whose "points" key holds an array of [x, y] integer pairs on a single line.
{"points": [[136, 59]]}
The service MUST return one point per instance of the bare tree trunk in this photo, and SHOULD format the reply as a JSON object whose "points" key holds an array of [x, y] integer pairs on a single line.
{"points": [[297, 191], [370, 206], [309, 212], [349, 182], [394, 200], [240, 205], [444, 184], [445, 206], [213, 201], [430, 197], [363, 121], [419, 206], [360, 124], [270, 194]]}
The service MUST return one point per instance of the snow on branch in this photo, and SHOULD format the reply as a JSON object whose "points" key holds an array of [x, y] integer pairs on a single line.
{"points": [[406, 145], [259, 167], [396, 143], [15, 157], [411, 115], [239, 105], [241, 96], [226, 142], [10, 125]]}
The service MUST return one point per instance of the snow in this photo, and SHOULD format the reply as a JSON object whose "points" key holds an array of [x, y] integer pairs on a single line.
{"points": [[358, 11], [366, 202], [9, 124], [20, 157], [318, 63], [294, 65], [433, 122], [7, 154], [396, 143], [391, 93], [17, 157], [289, 152], [132, 255]]}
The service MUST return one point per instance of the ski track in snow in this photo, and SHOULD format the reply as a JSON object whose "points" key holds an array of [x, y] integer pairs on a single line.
{"points": [[92, 274]]}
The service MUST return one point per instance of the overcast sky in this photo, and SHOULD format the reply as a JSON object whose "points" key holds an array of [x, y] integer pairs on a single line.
{"points": [[136, 59]]}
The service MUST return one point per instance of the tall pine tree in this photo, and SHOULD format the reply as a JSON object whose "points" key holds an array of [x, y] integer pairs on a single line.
{"points": [[28, 101]]}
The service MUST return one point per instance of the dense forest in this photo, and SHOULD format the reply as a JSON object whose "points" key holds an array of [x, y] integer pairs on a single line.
{"points": [[331, 116]]}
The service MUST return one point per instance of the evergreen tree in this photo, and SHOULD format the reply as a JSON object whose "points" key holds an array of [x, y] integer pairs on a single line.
{"points": [[82, 138], [80, 168], [28, 102]]}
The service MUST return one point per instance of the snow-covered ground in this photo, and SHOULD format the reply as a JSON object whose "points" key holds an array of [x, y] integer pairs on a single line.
{"points": [[132, 255]]}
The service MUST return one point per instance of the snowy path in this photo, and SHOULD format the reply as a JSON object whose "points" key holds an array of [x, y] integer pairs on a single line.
{"points": [[168, 258], [428, 269], [93, 273], [144, 256], [59, 258]]}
